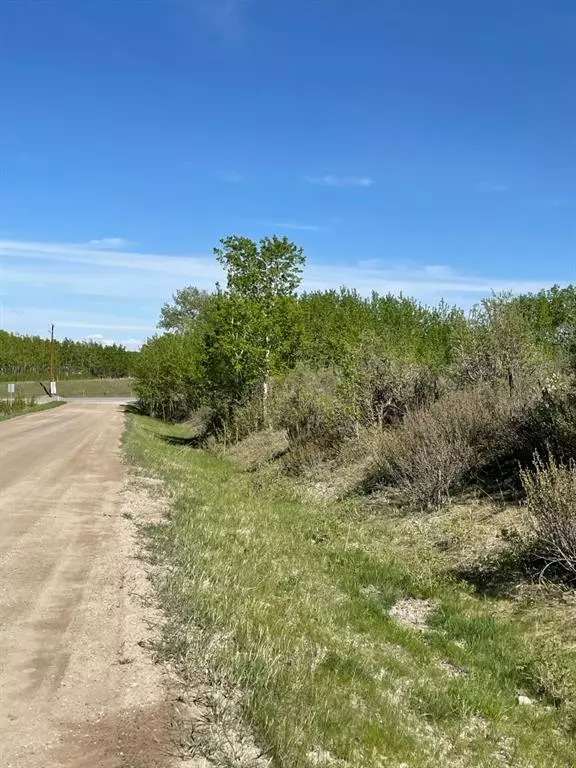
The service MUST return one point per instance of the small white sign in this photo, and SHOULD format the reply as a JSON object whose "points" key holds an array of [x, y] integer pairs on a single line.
{"points": [[52, 387], [11, 389]]}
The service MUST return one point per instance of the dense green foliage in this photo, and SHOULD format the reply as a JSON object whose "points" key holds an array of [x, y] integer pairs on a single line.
{"points": [[390, 354], [227, 344], [428, 401], [25, 357]]}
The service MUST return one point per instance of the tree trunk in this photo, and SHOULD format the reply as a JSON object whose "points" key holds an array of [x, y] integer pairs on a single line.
{"points": [[511, 382], [265, 386]]}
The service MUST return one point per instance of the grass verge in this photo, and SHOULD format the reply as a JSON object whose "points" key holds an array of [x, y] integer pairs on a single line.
{"points": [[79, 388], [4, 416], [344, 640]]}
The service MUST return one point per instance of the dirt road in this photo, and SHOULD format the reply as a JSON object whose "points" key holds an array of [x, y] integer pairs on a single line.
{"points": [[78, 686]]}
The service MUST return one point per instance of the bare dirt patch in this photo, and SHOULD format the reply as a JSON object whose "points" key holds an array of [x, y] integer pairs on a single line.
{"points": [[413, 612], [143, 503]]}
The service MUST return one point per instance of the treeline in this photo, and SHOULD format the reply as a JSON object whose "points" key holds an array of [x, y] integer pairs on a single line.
{"points": [[28, 357], [386, 392], [225, 349]]}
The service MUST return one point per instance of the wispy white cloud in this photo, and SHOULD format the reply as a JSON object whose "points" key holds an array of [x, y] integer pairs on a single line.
{"points": [[202, 270], [34, 319], [128, 288], [333, 180], [92, 282], [98, 338], [132, 344], [185, 266], [87, 289], [120, 326], [109, 242], [429, 283], [439, 270], [491, 186]]}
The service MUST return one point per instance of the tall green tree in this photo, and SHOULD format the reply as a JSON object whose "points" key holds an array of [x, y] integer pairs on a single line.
{"points": [[170, 373], [185, 309], [261, 278], [264, 271]]}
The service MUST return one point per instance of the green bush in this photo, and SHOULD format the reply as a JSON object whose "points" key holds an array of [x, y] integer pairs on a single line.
{"points": [[169, 376], [499, 343], [382, 389], [549, 426], [309, 406]]}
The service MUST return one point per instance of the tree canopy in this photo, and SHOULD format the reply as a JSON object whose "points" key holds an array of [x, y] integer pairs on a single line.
{"points": [[233, 340], [23, 357]]}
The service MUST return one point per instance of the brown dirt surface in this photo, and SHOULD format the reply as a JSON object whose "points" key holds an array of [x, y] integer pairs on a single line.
{"points": [[412, 612], [79, 687]]}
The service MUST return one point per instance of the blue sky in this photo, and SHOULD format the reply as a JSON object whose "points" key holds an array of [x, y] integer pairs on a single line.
{"points": [[410, 146]]}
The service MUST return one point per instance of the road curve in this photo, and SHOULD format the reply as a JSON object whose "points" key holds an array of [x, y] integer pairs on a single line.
{"points": [[76, 688]]}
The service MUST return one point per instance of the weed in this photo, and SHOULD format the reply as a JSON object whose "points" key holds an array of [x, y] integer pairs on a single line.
{"points": [[21, 406]]}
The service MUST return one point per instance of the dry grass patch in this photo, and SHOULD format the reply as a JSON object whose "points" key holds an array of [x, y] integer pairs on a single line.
{"points": [[258, 449], [412, 612]]}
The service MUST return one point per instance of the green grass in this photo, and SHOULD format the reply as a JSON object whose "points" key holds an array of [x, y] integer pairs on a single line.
{"points": [[5, 413], [288, 602], [77, 388]]}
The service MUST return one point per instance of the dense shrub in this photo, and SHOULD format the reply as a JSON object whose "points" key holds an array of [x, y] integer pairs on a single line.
{"points": [[548, 426], [229, 423], [454, 399], [437, 451], [551, 501], [545, 424], [168, 377], [309, 406], [381, 389], [481, 437]]}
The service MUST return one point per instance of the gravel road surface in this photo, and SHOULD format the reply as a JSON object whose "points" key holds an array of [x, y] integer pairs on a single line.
{"points": [[78, 685]]}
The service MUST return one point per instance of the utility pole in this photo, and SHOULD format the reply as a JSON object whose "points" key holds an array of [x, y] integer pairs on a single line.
{"points": [[52, 352], [52, 379]]}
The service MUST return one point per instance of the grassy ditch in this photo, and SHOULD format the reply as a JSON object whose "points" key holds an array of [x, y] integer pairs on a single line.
{"points": [[345, 639], [6, 412], [79, 388]]}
